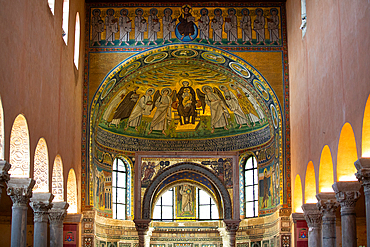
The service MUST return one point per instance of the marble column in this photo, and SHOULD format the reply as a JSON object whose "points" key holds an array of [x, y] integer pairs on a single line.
{"points": [[232, 227], [4, 175], [20, 191], [40, 203], [313, 218], [347, 194], [57, 213], [327, 204], [142, 226], [363, 175]]}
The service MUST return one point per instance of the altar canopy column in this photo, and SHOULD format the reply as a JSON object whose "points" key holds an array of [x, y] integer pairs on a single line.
{"points": [[20, 191], [327, 204], [142, 226], [313, 218], [40, 203], [57, 214], [4, 175], [232, 227], [363, 175], [347, 194]]}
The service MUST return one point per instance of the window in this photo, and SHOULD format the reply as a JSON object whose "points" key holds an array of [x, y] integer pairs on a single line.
{"points": [[119, 190], [164, 209], [41, 167], [2, 140], [57, 180], [207, 209], [65, 20], [72, 192], [304, 17], [77, 40], [251, 187], [51, 5]]}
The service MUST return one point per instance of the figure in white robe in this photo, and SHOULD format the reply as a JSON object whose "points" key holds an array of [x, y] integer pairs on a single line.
{"points": [[203, 25], [231, 27], [259, 27], [273, 26], [216, 25], [111, 27], [219, 113], [246, 104], [124, 27], [168, 25], [143, 107], [233, 104], [162, 116], [97, 26], [140, 26], [153, 26], [245, 25]]}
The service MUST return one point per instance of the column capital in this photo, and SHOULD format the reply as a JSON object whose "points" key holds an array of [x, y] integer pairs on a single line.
{"points": [[363, 172], [41, 203], [142, 225], [20, 190], [347, 194], [296, 216], [327, 203], [312, 215], [4, 169], [232, 225], [58, 212]]}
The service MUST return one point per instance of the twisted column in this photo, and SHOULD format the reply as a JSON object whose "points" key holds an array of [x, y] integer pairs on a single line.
{"points": [[40, 203], [347, 194], [313, 218], [57, 213], [20, 191], [328, 205], [363, 176], [4, 175]]}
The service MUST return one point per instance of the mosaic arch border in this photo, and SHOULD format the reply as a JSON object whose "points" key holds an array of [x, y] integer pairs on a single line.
{"points": [[286, 130], [186, 166]]}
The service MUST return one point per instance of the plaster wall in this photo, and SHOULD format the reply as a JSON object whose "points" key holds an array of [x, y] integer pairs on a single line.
{"points": [[38, 78], [329, 77]]}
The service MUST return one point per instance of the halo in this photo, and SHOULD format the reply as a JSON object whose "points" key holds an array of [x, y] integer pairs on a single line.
{"points": [[245, 10], [277, 11], [164, 11], [205, 87], [186, 80], [121, 12], [232, 85], [228, 11], [156, 11], [110, 10], [96, 10], [222, 86], [188, 6], [259, 9], [204, 9], [142, 11], [166, 88], [216, 10], [150, 89]]}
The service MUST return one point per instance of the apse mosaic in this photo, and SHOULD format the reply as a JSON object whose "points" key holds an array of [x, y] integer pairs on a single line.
{"points": [[142, 26]]}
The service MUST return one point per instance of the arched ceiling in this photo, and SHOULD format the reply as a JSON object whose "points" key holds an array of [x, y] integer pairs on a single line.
{"points": [[132, 111]]}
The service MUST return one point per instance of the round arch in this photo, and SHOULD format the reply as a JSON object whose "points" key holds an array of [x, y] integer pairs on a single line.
{"points": [[180, 167]]}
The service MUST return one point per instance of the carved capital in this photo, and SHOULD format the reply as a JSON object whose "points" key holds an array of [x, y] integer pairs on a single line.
{"points": [[40, 203], [232, 225], [363, 173], [327, 204], [312, 215], [141, 225], [347, 194], [58, 212], [4, 169], [20, 190]]}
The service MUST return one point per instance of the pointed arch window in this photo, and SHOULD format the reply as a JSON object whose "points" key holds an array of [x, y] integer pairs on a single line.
{"points": [[2, 140], [57, 180], [250, 175], [65, 20], [77, 40], [120, 190], [41, 167]]}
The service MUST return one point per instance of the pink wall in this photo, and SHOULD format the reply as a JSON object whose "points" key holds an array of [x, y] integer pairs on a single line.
{"points": [[329, 77], [39, 79]]}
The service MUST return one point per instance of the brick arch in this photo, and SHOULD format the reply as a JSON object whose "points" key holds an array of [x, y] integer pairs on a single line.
{"points": [[180, 167]]}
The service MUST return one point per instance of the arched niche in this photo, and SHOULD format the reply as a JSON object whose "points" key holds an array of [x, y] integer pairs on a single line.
{"points": [[310, 184], [20, 148], [41, 167], [297, 195], [347, 154], [57, 180], [153, 188], [326, 175], [366, 130], [72, 192]]}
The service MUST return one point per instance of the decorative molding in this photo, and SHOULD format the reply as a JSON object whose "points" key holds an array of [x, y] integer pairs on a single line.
{"points": [[40, 203], [327, 204]]}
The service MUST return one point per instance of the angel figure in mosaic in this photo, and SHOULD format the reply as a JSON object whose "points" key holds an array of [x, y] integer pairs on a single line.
{"points": [[124, 27], [162, 116], [216, 102]]}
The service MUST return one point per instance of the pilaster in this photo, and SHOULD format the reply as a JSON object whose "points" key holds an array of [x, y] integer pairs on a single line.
{"points": [[4, 175], [314, 219], [328, 205], [347, 194], [20, 191], [57, 213]]}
